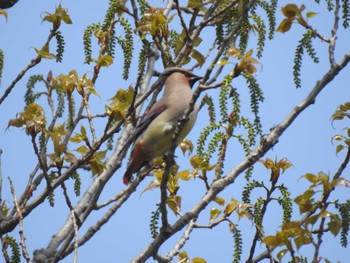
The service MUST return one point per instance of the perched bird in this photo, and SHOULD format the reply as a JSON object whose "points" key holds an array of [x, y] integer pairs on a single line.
{"points": [[154, 132]]}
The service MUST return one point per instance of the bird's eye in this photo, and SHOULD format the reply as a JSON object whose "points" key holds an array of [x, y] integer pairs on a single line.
{"points": [[187, 74]]}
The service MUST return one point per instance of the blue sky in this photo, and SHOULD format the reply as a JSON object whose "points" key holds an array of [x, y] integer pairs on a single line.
{"points": [[307, 143]]}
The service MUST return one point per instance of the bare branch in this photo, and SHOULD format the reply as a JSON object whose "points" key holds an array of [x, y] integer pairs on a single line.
{"points": [[91, 124], [76, 238], [88, 202], [182, 241], [343, 165], [32, 64], [103, 220], [20, 217], [334, 34]]}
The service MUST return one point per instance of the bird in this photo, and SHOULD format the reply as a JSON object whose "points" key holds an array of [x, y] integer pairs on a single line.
{"points": [[154, 133]]}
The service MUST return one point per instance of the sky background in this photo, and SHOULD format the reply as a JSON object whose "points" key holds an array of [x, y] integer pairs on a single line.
{"points": [[307, 143]]}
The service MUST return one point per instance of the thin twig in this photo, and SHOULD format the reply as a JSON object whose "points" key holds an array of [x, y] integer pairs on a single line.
{"points": [[91, 124], [20, 218], [43, 164], [334, 34], [182, 241], [182, 19], [110, 201], [343, 165], [69, 204], [32, 64], [103, 220]]}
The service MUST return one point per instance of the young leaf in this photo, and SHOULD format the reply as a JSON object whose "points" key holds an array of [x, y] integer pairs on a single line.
{"points": [[184, 175], [174, 203], [4, 13], [105, 61], [198, 56], [282, 253], [198, 260], [290, 10], [219, 200], [45, 52], [311, 14], [285, 25], [214, 213], [182, 255]]}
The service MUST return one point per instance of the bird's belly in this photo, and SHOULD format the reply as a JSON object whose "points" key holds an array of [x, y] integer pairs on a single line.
{"points": [[157, 139]]}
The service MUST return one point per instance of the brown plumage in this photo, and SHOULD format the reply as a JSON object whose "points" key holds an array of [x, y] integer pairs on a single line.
{"points": [[156, 129]]}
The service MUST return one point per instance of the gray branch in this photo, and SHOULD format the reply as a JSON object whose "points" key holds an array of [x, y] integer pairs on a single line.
{"points": [[266, 143]]}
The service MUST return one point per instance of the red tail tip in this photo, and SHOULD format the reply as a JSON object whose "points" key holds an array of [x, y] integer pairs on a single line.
{"points": [[125, 180]]}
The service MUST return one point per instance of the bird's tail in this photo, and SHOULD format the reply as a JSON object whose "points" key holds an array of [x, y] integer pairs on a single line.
{"points": [[127, 177]]}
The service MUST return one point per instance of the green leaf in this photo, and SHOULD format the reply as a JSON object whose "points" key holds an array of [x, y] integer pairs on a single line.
{"points": [[197, 41], [82, 149], [59, 15], [230, 207], [214, 213], [45, 52], [302, 21], [334, 227], [337, 138], [69, 157], [341, 182], [311, 178], [312, 219], [194, 3], [100, 155], [182, 255], [105, 61], [339, 148], [4, 13], [174, 203], [152, 185], [198, 260], [184, 175], [197, 162], [302, 240], [186, 145], [222, 62], [335, 224], [219, 200], [311, 14], [282, 253], [198, 56], [305, 201], [97, 167], [272, 241], [15, 123], [290, 10], [347, 142], [285, 25], [284, 164]]}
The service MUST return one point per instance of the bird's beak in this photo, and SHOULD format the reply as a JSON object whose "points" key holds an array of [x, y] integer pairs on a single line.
{"points": [[194, 79]]}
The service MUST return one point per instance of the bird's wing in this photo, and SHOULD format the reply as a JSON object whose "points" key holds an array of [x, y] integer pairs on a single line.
{"points": [[157, 109]]}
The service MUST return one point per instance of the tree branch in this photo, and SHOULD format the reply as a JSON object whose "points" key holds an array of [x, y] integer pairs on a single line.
{"points": [[88, 202], [21, 233], [266, 143]]}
